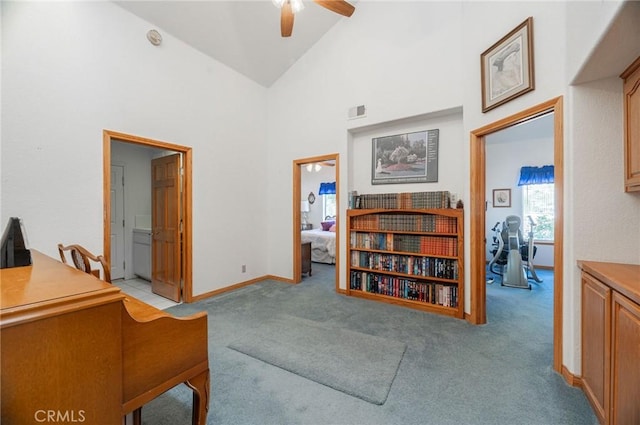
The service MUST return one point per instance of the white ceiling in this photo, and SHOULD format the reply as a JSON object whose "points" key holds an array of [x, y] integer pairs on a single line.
{"points": [[243, 34]]}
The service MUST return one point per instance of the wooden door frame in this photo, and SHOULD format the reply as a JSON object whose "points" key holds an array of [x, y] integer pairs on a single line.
{"points": [[109, 136], [297, 187], [477, 267]]}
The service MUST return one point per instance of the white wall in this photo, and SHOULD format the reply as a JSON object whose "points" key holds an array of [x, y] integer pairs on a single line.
{"points": [[72, 69], [390, 56], [450, 144], [586, 22], [604, 222]]}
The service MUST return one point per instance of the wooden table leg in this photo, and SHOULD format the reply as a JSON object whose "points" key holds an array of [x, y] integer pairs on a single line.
{"points": [[200, 386]]}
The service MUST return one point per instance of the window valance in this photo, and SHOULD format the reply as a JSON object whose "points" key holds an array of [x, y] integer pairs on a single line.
{"points": [[327, 188], [536, 175]]}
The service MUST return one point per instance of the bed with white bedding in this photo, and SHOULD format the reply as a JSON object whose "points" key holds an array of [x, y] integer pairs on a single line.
{"points": [[323, 245]]}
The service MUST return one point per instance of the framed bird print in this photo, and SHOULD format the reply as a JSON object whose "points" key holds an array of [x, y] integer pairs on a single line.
{"points": [[507, 67]]}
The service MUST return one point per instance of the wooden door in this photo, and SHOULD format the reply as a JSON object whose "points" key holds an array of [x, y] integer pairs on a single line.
{"points": [[166, 259], [117, 222]]}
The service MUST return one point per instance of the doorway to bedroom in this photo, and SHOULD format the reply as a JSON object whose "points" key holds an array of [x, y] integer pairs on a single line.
{"points": [[315, 224]]}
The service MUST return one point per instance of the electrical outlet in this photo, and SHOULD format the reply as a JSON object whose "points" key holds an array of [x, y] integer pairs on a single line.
{"points": [[244, 268]]}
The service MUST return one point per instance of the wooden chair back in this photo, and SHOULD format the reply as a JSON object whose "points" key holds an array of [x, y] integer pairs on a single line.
{"points": [[83, 259]]}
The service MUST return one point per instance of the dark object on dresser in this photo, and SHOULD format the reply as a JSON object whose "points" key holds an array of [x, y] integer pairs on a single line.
{"points": [[305, 252]]}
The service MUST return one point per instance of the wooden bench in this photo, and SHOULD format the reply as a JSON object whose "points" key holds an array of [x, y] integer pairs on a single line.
{"points": [[160, 351]]}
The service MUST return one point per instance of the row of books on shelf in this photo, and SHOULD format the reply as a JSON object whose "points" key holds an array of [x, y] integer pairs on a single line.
{"points": [[405, 200], [408, 289], [406, 223], [443, 268], [430, 245]]}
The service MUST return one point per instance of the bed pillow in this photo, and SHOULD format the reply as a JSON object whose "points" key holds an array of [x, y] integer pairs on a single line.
{"points": [[326, 225], [332, 228]]}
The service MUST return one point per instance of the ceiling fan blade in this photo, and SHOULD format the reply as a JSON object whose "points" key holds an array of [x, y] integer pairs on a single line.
{"points": [[286, 20], [338, 6]]}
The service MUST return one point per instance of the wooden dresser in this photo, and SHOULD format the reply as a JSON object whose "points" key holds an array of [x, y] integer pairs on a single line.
{"points": [[611, 340], [76, 349]]}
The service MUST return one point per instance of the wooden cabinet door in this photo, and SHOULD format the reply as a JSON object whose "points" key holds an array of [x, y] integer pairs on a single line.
{"points": [[632, 126], [596, 340], [625, 365]]}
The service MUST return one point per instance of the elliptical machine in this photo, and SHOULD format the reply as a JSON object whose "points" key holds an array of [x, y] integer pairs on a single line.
{"points": [[512, 255]]}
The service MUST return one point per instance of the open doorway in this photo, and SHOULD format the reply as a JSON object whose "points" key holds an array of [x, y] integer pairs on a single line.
{"points": [[478, 215], [182, 207], [314, 210]]}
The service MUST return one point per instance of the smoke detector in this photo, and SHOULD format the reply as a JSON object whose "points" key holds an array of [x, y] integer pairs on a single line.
{"points": [[154, 37]]}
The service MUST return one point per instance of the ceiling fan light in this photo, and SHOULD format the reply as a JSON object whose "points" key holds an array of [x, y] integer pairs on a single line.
{"points": [[318, 167], [296, 5], [278, 3]]}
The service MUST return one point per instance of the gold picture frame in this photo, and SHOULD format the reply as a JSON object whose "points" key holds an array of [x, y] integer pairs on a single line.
{"points": [[507, 69]]}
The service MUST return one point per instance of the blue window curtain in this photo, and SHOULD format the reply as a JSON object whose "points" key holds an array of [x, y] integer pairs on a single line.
{"points": [[536, 175], [327, 188]]}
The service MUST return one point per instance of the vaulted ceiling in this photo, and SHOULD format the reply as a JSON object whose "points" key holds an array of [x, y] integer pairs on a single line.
{"points": [[244, 35]]}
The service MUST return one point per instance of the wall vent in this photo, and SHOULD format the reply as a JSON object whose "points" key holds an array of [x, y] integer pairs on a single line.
{"points": [[357, 112]]}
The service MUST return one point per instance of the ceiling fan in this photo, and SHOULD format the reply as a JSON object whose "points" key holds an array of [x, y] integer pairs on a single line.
{"points": [[288, 8]]}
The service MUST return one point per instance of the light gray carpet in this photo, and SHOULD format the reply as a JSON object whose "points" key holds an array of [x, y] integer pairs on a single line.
{"points": [[452, 373], [357, 364]]}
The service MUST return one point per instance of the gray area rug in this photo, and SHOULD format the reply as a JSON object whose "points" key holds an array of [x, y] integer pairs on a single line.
{"points": [[357, 364]]}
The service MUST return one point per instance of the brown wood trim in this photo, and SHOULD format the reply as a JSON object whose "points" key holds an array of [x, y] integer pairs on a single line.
{"points": [[570, 378], [187, 266], [226, 289], [631, 68], [106, 193], [297, 187], [249, 283], [558, 250], [477, 216], [187, 198], [278, 278], [297, 223]]}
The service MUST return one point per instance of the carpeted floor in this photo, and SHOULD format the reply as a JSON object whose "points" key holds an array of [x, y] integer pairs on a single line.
{"points": [[355, 363], [451, 373]]}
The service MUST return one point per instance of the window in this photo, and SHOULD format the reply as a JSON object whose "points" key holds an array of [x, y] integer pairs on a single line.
{"points": [[328, 193], [537, 202], [328, 205]]}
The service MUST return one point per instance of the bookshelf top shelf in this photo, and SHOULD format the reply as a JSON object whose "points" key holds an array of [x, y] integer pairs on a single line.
{"points": [[448, 212]]}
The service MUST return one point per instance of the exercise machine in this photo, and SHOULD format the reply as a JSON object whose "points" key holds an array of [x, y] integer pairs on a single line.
{"points": [[512, 257]]}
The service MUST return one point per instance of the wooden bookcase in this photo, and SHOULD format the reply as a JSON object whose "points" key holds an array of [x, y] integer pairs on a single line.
{"points": [[409, 257]]}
